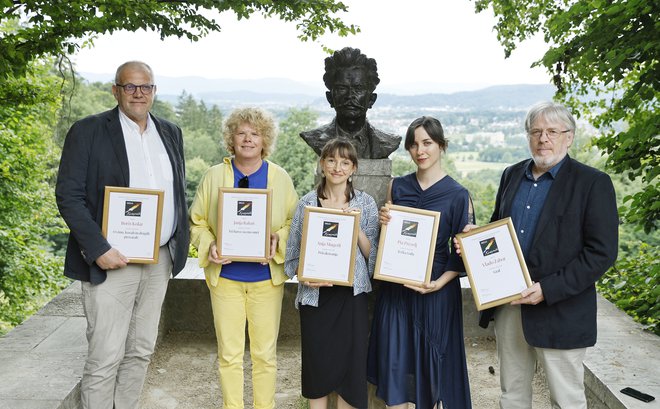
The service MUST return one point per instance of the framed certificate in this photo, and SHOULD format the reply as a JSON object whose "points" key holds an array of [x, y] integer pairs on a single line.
{"points": [[132, 221], [494, 264], [407, 245], [244, 217], [328, 246]]}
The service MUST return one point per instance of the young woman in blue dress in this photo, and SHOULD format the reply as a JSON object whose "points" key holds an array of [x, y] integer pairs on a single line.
{"points": [[416, 350]]}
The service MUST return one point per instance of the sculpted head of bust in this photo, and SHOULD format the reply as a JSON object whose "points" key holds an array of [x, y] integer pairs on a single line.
{"points": [[351, 79]]}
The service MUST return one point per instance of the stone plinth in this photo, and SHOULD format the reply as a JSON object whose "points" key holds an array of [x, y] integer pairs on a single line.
{"points": [[373, 177]]}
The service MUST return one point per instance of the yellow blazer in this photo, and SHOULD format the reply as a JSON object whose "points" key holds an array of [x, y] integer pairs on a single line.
{"points": [[204, 215]]}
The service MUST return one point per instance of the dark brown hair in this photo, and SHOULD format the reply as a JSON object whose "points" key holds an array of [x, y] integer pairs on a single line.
{"points": [[345, 150], [432, 126]]}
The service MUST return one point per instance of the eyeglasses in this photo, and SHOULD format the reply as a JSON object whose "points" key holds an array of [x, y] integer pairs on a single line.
{"points": [[131, 88], [332, 163], [244, 182], [552, 133]]}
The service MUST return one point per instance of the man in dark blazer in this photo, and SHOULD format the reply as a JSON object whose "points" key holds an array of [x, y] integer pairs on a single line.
{"points": [[566, 221], [125, 147]]}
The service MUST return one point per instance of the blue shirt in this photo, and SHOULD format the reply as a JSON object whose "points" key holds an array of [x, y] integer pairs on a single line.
{"points": [[248, 272], [528, 203]]}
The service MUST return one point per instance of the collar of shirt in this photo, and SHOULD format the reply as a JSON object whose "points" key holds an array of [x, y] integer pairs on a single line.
{"points": [[552, 172], [134, 127]]}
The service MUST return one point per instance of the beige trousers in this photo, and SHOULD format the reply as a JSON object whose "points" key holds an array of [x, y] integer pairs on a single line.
{"points": [[122, 326], [563, 367]]}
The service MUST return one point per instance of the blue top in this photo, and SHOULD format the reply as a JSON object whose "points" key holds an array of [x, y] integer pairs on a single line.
{"points": [[364, 267], [528, 203], [248, 272]]}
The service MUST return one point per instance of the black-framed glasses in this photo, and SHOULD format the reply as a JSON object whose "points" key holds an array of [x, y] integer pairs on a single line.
{"points": [[131, 88], [244, 182], [552, 133]]}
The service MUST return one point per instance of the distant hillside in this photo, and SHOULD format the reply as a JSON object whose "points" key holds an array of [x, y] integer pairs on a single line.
{"points": [[496, 97], [270, 92]]}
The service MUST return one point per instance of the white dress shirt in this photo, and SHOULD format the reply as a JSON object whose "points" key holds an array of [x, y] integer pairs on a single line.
{"points": [[150, 167]]}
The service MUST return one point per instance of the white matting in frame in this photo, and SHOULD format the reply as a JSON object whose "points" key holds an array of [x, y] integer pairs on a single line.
{"points": [[407, 245], [328, 246], [244, 217], [494, 264], [131, 222]]}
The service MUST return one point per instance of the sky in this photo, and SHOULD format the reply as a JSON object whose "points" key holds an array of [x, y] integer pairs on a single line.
{"points": [[426, 46]]}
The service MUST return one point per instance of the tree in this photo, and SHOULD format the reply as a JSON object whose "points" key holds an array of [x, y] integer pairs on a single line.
{"points": [[30, 273], [292, 153], [59, 28], [195, 169], [80, 99], [604, 58]]}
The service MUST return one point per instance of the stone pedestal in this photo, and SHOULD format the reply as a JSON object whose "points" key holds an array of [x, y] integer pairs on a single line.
{"points": [[373, 177]]}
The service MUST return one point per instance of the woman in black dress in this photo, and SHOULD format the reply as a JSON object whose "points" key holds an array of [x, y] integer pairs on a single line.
{"points": [[334, 319]]}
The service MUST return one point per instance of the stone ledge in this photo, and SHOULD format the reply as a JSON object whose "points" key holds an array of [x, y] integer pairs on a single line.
{"points": [[624, 355], [42, 359]]}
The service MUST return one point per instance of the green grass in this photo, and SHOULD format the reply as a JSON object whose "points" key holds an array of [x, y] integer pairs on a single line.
{"points": [[466, 163]]}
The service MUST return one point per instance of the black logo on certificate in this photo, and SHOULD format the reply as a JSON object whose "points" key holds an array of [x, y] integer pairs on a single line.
{"points": [[133, 208], [330, 229], [244, 208], [488, 246], [409, 228]]}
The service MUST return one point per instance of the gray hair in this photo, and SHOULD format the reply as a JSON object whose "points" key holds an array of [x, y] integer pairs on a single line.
{"points": [[134, 64], [552, 112]]}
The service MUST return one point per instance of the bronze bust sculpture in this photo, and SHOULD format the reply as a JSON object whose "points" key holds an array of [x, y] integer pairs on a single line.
{"points": [[351, 79]]}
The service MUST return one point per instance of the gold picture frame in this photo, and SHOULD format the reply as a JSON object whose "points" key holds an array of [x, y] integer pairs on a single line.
{"points": [[407, 245], [132, 220], [244, 220], [324, 254], [494, 264]]}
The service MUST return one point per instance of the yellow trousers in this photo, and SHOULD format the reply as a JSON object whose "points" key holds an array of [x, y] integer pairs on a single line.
{"points": [[260, 304]]}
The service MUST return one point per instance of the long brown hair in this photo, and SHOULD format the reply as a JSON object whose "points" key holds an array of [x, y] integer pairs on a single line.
{"points": [[345, 150]]}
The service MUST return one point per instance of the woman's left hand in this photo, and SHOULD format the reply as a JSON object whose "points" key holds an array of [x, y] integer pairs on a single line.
{"points": [[425, 288]]}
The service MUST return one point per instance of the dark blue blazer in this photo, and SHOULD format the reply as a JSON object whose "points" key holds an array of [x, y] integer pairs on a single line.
{"points": [[93, 157], [576, 241]]}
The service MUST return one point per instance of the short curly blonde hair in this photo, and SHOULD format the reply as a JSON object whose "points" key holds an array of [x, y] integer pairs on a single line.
{"points": [[258, 118]]}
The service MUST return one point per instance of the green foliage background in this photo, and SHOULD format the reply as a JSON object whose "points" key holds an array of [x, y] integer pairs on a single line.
{"points": [[30, 273], [604, 59], [633, 285]]}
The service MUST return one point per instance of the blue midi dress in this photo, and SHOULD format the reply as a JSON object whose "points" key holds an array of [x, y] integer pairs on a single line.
{"points": [[416, 349]]}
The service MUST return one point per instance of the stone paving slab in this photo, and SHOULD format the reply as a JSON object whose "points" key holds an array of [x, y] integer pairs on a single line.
{"points": [[68, 337], [37, 376], [31, 333], [31, 404]]}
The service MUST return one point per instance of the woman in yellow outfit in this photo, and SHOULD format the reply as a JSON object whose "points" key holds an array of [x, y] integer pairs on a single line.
{"points": [[245, 291]]}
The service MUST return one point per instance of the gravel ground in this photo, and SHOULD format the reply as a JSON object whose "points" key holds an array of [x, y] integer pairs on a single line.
{"points": [[183, 375]]}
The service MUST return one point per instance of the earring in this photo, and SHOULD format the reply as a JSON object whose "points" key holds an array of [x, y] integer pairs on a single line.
{"points": [[322, 175], [350, 178]]}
